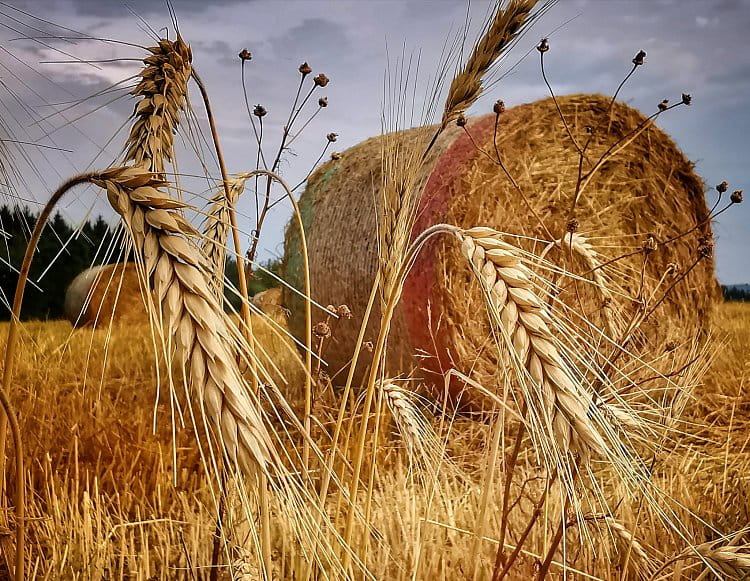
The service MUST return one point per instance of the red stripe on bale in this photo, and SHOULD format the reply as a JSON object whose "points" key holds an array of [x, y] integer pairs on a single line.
{"points": [[420, 290]]}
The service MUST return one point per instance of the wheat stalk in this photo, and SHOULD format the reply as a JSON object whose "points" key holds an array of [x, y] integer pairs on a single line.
{"points": [[507, 24], [555, 396]]}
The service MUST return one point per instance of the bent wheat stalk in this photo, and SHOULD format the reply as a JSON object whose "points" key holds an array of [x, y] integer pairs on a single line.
{"points": [[10, 357]]}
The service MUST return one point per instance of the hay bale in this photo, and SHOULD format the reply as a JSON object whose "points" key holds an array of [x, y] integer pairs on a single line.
{"points": [[105, 294], [648, 187], [109, 294]]}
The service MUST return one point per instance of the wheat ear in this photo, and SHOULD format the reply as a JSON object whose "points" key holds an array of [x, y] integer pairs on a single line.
{"points": [[522, 318], [506, 25], [216, 231], [627, 540], [579, 244], [404, 414], [163, 91], [188, 311], [730, 556]]}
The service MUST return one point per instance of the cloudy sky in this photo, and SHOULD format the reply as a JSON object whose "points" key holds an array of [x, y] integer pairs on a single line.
{"points": [[699, 47]]}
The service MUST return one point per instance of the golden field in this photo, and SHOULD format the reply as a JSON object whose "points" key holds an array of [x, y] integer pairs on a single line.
{"points": [[106, 499]]}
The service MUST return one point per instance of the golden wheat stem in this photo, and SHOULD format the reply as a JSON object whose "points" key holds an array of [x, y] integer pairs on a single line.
{"points": [[369, 395], [20, 500], [487, 486], [10, 354], [375, 368], [344, 402]]}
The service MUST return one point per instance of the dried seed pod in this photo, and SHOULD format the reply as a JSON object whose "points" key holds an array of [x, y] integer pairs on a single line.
{"points": [[245, 55], [322, 330]]}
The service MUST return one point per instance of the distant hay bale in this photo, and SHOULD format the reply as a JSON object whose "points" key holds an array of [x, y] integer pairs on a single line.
{"points": [[648, 187], [109, 294], [105, 294]]}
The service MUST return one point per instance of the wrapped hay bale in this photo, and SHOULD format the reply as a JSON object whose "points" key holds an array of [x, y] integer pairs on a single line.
{"points": [[103, 294], [646, 187]]}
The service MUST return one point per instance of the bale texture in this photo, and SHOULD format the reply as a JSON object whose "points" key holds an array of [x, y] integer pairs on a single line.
{"points": [[104, 294], [648, 187]]}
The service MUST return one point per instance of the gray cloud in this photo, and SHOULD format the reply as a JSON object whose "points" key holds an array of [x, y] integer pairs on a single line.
{"points": [[695, 46]]}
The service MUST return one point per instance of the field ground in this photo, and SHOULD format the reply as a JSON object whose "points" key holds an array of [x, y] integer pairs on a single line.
{"points": [[106, 500]]}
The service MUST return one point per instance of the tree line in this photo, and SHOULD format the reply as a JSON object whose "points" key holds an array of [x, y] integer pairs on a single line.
{"points": [[64, 252]]}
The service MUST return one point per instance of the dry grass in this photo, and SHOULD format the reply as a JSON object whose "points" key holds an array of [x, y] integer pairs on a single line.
{"points": [[105, 503]]}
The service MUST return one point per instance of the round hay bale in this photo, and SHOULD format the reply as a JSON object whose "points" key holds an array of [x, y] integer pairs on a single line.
{"points": [[648, 187], [105, 294]]}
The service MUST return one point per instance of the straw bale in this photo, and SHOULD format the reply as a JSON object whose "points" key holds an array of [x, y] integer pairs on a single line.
{"points": [[104, 294], [649, 187]]}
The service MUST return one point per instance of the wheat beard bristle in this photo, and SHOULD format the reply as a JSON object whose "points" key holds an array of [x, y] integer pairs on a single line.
{"points": [[521, 317], [188, 311]]}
